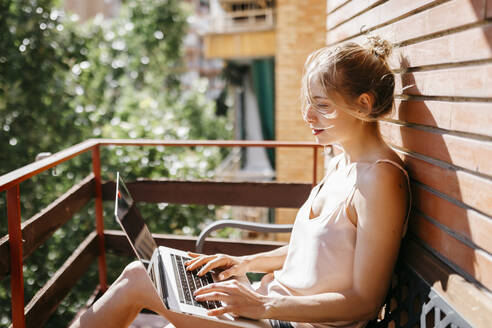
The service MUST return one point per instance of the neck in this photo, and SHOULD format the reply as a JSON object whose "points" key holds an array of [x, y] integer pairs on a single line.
{"points": [[364, 144]]}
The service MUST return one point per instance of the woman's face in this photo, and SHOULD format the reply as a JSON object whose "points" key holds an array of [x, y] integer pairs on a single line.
{"points": [[329, 124]]}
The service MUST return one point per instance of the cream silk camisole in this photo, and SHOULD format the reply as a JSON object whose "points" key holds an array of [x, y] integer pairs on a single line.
{"points": [[321, 249]]}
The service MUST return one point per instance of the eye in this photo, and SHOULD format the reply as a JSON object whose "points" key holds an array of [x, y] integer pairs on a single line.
{"points": [[323, 108]]}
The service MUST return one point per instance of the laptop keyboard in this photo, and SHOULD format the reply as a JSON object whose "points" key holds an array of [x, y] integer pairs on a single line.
{"points": [[189, 281]]}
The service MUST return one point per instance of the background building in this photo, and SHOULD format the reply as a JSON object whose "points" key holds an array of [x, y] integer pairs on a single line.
{"points": [[275, 36]]}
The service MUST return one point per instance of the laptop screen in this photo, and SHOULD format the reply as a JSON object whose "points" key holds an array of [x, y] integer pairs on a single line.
{"points": [[132, 223]]}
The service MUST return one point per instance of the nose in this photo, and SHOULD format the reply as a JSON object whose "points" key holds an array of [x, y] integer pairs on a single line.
{"points": [[310, 115]]}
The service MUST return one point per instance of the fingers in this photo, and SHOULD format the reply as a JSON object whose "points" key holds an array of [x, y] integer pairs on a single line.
{"points": [[212, 296], [191, 254], [217, 296], [228, 287], [208, 263], [228, 273], [198, 262], [215, 263], [220, 311], [236, 297], [205, 289]]}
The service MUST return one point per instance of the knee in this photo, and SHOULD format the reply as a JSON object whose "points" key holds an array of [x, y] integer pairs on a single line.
{"points": [[134, 277], [136, 285], [136, 268], [134, 272]]}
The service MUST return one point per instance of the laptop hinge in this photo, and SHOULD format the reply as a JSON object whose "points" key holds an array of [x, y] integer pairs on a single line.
{"points": [[162, 277]]}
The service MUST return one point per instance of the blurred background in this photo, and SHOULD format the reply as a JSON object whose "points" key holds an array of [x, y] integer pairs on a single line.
{"points": [[164, 69]]}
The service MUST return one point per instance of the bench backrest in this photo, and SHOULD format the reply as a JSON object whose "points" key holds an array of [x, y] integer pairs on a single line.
{"points": [[412, 302], [441, 127]]}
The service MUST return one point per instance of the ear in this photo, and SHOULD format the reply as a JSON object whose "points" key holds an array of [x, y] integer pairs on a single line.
{"points": [[365, 102]]}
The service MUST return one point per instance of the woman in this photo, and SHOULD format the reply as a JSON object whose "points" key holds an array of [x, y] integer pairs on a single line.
{"points": [[337, 267]]}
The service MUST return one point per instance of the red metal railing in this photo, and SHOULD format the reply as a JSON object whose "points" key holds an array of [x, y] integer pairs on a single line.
{"points": [[10, 183], [96, 167]]}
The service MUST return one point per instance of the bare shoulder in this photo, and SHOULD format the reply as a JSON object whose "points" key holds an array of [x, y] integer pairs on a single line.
{"points": [[385, 174], [382, 187]]}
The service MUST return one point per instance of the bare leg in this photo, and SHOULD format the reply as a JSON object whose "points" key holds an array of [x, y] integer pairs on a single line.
{"points": [[123, 301]]}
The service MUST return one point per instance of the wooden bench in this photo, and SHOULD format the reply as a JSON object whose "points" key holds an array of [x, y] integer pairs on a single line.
{"points": [[412, 301]]}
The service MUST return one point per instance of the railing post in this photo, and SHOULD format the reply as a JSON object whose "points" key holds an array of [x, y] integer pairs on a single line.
{"points": [[96, 167], [15, 244], [315, 164]]}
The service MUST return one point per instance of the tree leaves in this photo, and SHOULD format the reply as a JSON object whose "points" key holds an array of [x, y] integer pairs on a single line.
{"points": [[62, 82]]}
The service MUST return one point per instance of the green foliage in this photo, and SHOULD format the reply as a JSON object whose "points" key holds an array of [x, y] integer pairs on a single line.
{"points": [[62, 82]]}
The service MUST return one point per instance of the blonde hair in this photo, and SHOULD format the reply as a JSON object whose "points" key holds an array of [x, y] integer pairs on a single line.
{"points": [[350, 70]]}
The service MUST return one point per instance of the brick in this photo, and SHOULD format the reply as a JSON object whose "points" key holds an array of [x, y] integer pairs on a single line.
{"points": [[300, 30], [284, 216], [240, 45]]}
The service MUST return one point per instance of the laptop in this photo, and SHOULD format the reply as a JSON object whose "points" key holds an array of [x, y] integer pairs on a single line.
{"points": [[165, 266]]}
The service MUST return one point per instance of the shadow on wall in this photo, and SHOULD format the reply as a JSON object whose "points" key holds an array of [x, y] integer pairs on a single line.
{"points": [[439, 205]]}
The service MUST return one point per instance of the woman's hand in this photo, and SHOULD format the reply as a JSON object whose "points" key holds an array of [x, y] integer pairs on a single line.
{"points": [[240, 300], [233, 265]]}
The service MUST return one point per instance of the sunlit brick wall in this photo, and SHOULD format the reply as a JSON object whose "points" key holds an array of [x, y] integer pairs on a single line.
{"points": [[300, 29]]}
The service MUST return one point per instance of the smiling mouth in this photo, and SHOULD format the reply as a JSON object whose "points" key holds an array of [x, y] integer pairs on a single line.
{"points": [[317, 131]]}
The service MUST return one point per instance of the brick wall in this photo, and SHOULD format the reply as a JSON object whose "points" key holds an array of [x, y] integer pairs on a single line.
{"points": [[300, 29], [442, 122]]}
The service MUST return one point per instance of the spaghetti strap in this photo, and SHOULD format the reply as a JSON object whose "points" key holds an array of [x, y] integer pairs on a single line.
{"points": [[409, 190], [395, 164]]}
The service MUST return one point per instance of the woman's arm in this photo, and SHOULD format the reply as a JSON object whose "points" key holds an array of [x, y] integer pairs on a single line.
{"points": [[327, 307], [380, 202], [267, 261], [237, 265]]}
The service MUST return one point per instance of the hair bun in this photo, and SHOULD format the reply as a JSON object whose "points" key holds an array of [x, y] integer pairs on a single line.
{"points": [[379, 47]]}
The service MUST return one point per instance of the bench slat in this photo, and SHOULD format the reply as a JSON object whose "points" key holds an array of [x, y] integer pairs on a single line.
{"points": [[462, 186], [467, 153], [472, 303], [470, 224], [348, 11], [469, 117], [333, 5], [436, 19], [474, 262], [452, 48], [469, 81]]}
